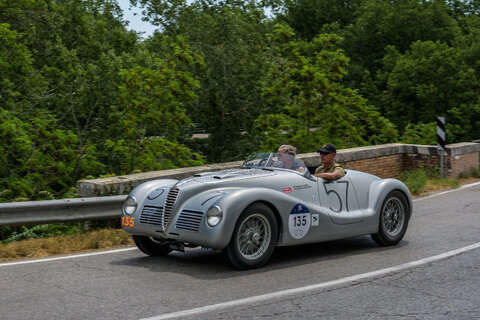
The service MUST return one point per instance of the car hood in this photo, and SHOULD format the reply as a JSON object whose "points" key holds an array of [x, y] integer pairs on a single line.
{"points": [[231, 175]]}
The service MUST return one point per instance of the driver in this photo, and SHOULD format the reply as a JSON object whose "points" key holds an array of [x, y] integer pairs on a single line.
{"points": [[286, 155]]}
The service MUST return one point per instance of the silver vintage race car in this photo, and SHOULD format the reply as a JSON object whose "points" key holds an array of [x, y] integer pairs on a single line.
{"points": [[247, 212]]}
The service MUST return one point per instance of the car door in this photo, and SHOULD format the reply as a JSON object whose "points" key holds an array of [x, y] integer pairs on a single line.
{"points": [[339, 200]]}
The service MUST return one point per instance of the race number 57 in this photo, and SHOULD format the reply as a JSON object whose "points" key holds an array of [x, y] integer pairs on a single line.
{"points": [[338, 189]]}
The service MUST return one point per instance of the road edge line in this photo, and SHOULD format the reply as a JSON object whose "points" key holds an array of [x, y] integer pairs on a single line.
{"points": [[6, 264]]}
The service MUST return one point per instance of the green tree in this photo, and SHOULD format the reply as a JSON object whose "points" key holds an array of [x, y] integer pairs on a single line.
{"points": [[78, 47], [463, 122], [21, 86], [153, 114], [230, 35], [382, 23], [309, 105], [37, 160], [309, 18], [420, 133], [429, 80]]}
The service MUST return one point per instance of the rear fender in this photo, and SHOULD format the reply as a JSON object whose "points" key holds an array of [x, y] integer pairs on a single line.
{"points": [[377, 194]]}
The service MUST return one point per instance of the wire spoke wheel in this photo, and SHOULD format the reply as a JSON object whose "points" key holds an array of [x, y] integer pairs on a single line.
{"points": [[393, 217], [254, 237]]}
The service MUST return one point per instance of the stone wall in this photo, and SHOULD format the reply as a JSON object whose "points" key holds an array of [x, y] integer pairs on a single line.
{"points": [[385, 161]]}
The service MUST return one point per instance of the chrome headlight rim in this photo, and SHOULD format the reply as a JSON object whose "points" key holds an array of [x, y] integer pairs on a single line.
{"points": [[214, 216], [130, 205]]}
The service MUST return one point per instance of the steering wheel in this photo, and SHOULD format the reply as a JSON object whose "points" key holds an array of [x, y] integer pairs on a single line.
{"points": [[277, 164], [262, 162]]}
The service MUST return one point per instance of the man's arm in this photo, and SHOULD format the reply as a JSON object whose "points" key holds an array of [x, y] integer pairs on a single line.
{"points": [[336, 174]]}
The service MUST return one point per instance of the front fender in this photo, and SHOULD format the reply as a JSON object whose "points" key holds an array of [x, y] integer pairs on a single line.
{"points": [[232, 203]]}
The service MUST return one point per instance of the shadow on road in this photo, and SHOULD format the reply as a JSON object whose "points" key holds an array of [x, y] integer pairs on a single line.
{"points": [[211, 264]]}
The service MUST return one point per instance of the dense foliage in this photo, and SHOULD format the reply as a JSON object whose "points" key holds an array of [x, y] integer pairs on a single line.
{"points": [[82, 96]]}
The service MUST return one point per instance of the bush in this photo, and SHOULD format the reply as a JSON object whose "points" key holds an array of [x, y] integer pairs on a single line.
{"points": [[472, 173], [39, 161], [475, 172], [414, 179], [12, 234], [463, 175]]}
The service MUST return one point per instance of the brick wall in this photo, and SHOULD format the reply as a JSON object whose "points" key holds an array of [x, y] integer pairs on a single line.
{"points": [[429, 162], [384, 167], [462, 163], [390, 166]]}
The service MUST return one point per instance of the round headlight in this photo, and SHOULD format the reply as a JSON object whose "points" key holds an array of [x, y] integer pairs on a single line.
{"points": [[130, 205], [214, 216]]}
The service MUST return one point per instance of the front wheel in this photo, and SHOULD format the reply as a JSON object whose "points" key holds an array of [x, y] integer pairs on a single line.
{"points": [[151, 246], [254, 237], [394, 218]]}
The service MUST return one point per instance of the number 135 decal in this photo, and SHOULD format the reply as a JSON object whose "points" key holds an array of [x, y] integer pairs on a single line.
{"points": [[128, 222], [331, 189]]}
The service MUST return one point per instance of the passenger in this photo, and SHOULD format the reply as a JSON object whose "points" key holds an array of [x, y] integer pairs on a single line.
{"points": [[329, 170], [286, 155]]}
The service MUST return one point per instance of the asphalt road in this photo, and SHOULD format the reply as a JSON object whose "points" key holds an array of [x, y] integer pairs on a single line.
{"points": [[129, 285]]}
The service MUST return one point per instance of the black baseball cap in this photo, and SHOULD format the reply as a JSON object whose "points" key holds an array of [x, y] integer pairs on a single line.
{"points": [[327, 148]]}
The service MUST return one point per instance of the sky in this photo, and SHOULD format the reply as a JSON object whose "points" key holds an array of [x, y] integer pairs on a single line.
{"points": [[135, 21]]}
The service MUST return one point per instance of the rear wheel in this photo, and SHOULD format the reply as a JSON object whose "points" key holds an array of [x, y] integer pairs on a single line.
{"points": [[254, 237], [394, 218], [151, 246]]}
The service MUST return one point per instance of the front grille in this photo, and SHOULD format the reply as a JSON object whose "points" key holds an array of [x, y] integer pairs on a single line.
{"points": [[169, 205], [189, 220], [151, 215]]}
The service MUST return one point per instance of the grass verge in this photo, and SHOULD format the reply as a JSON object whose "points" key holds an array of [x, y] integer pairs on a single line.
{"points": [[38, 248], [436, 185]]}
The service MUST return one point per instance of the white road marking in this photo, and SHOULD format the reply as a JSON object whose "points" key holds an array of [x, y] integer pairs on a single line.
{"points": [[7, 264], [322, 285]]}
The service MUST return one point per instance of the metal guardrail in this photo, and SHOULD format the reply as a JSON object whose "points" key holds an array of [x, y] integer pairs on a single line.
{"points": [[57, 211]]}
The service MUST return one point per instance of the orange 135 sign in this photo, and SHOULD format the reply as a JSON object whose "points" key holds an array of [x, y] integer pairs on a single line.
{"points": [[128, 221]]}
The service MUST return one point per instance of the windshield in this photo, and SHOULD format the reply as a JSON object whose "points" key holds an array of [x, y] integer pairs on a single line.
{"points": [[275, 161]]}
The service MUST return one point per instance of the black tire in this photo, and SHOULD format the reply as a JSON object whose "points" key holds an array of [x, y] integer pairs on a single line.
{"points": [[393, 221], [152, 247], [254, 237]]}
